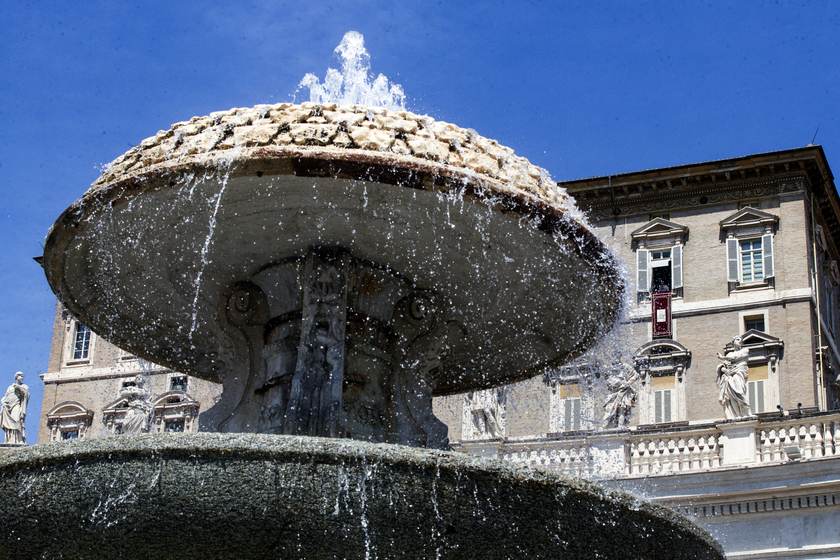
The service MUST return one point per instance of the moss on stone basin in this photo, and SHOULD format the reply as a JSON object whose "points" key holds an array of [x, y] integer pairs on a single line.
{"points": [[260, 496]]}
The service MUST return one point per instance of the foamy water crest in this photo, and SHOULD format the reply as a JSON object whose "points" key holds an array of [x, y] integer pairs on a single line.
{"points": [[354, 83]]}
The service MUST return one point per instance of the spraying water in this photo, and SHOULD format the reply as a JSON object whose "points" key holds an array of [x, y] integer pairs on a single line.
{"points": [[354, 83]]}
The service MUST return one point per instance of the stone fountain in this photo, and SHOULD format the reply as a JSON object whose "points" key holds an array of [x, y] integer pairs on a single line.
{"points": [[334, 267]]}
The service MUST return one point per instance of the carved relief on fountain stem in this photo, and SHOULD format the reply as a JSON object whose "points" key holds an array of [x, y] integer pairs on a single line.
{"points": [[348, 351]]}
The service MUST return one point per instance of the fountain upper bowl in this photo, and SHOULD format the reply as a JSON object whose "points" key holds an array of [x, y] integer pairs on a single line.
{"points": [[147, 254]]}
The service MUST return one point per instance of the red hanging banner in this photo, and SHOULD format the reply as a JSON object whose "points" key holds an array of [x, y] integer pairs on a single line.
{"points": [[661, 307]]}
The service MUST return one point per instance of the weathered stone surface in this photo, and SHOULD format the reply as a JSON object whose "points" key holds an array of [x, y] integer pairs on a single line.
{"points": [[481, 163], [428, 149], [372, 139], [254, 135], [321, 134], [426, 138], [204, 496]]}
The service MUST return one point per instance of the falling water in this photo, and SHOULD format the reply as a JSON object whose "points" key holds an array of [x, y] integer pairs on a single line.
{"points": [[353, 84]]}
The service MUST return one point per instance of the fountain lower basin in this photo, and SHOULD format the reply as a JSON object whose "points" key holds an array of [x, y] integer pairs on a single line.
{"points": [[265, 496]]}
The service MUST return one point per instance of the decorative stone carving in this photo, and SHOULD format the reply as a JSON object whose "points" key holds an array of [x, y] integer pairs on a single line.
{"points": [[622, 397], [137, 417], [337, 347], [14, 404], [485, 414], [315, 400], [731, 379]]}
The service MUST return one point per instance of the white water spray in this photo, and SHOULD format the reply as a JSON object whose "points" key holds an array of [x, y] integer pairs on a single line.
{"points": [[353, 84]]}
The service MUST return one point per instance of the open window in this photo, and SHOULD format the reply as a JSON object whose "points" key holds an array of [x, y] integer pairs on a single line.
{"points": [[749, 236], [659, 256]]}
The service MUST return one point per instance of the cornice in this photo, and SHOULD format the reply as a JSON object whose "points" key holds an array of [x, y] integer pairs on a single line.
{"points": [[603, 206]]}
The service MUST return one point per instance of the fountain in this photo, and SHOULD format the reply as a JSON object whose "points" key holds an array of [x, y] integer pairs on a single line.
{"points": [[334, 267]]}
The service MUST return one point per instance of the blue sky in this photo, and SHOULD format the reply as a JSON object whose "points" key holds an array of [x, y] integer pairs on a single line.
{"points": [[580, 88]]}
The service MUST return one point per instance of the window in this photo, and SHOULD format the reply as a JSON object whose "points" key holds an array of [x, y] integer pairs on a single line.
{"points": [[571, 397], [664, 216], [570, 406], [659, 270], [756, 323], [663, 398], [749, 245], [178, 383], [662, 405], [81, 344], [756, 388], [72, 434], [751, 261], [754, 204], [174, 425]]}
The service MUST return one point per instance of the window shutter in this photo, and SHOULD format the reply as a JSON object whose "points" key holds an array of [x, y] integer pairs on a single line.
{"points": [[642, 272], [666, 398], [676, 267], [657, 412], [767, 254], [732, 260], [568, 416]]}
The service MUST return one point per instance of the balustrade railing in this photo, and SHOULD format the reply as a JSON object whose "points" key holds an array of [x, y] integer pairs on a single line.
{"points": [[807, 437], [569, 457], [680, 449], [676, 452]]}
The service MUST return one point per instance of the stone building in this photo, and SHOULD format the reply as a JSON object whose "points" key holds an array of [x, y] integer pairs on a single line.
{"points": [[87, 382], [746, 247]]}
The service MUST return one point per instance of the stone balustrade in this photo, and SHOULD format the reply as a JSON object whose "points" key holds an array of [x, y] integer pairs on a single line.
{"points": [[662, 453], [811, 437], [571, 457], [674, 449]]}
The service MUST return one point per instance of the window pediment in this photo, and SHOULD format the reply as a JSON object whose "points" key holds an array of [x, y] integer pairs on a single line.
{"points": [[661, 357], [749, 218], [69, 409], [755, 339], [659, 229]]}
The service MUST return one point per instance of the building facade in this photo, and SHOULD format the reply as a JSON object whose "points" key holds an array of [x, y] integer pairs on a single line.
{"points": [[719, 255], [748, 248]]}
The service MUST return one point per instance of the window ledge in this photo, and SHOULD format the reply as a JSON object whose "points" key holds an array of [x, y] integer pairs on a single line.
{"points": [[752, 286], [72, 363]]}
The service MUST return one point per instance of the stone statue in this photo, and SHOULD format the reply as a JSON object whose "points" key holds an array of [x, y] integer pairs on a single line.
{"points": [[732, 377], [622, 398], [136, 419], [487, 412], [14, 405]]}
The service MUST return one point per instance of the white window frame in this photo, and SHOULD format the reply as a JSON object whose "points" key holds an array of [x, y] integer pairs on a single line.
{"points": [[645, 264], [743, 316], [754, 389], [584, 405], [734, 259], [70, 333], [174, 375]]}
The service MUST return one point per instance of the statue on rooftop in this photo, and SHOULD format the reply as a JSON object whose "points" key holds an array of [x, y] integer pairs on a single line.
{"points": [[622, 398], [14, 404], [732, 377]]}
